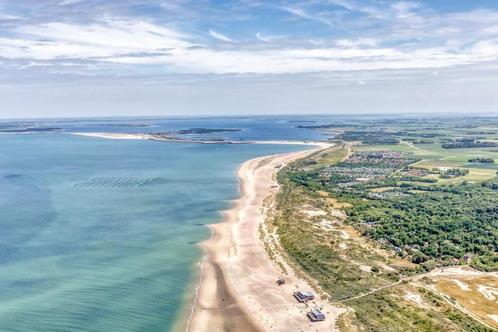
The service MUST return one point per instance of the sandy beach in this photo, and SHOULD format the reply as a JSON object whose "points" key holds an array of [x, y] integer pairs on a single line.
{"points": [[119, 136], [174, 139], [237, 290]]}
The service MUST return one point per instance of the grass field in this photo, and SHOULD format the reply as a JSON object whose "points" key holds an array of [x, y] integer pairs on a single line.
{"points": [[331, 155], [478, 295], [434, 156]]}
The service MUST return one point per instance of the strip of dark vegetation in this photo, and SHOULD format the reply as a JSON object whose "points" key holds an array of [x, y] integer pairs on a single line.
{"points": [[468, 143], [371, 137], [482, 160], [325, 126], [205, 131]]}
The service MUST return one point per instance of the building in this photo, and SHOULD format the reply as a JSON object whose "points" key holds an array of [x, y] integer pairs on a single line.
{"points": [[316, 315], [304, 296]]}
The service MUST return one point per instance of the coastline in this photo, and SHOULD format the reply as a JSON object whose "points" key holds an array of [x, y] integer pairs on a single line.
{"points": [[237, 290], [172, 139]]}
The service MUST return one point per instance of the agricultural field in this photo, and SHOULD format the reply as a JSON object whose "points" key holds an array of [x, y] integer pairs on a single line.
{"points": [[425, 138]]}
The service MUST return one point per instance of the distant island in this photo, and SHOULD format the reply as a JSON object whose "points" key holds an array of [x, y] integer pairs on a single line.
{"points": [[138, 125], [324, 126], [202, 131], [30, 130]]}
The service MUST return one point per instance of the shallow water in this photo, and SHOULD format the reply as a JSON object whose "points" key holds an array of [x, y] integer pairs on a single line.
{"points": [[100, 235]]}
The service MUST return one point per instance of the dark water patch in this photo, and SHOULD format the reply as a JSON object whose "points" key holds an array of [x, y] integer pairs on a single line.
{"points": [[26, 209], [119, 182], [12, 176]]}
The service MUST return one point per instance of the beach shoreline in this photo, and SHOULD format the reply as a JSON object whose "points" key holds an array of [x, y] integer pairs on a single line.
{"points": [[173, 139], [237, 290]]}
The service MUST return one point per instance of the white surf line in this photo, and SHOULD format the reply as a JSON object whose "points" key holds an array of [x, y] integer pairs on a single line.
{"points": [[197, 287]]}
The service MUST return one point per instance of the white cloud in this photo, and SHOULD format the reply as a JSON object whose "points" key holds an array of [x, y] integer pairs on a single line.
{"points": [[347, 53], [405, 8], [8, 17], [298, 12], [349, 5], [267, 38], [118, 34], [312, 60], [355, 7], [120, 41], [69, 2], [219, 36], [357, 42], [112, 38], [303, 14]]}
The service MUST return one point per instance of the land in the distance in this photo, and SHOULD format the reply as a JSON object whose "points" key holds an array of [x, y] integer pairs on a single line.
{"points": [[398, 222]]}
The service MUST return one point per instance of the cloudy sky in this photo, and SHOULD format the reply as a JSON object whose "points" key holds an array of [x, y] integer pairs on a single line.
{"points": [[182, 57]]}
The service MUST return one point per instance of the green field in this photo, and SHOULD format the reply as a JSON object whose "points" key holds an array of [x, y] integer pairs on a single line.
{"points": [[434, 156]]}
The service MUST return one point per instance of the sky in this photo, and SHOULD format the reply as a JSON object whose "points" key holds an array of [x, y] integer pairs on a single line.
{"points": [[78, 58]]}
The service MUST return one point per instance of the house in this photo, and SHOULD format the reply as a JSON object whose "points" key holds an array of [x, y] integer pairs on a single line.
{"points": [[304, 296], [316, 315]]}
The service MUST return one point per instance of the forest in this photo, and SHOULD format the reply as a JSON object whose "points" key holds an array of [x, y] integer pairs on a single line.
{"points": [[429, 223], [448, 225]]}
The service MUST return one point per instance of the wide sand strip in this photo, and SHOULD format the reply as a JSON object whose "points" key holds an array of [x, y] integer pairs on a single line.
{"points": [[237, 290]]}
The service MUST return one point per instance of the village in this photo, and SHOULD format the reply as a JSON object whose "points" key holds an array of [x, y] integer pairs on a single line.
{"points": [[362, 167]]}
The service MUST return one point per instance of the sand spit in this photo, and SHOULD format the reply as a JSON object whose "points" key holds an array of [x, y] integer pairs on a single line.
{"points": [[167, 138], [114, 135]]}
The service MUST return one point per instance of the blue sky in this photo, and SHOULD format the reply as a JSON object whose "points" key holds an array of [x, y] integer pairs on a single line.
{"points": [[179, 57]]}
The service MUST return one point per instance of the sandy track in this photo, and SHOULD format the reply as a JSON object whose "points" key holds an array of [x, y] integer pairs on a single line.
{"points": [[237, 291]]}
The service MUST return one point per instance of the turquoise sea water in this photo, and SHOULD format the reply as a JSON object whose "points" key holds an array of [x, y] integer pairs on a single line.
{"points": [[100, 235]]}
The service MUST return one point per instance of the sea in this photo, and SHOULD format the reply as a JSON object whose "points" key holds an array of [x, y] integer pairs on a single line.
{"points": [[102, 235]]}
